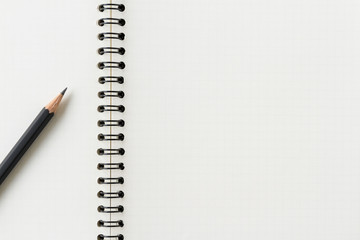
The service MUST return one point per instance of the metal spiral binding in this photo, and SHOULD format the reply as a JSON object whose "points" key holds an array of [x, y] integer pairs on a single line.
{"points": [[105, 123], [102, 166], [111, 108], [111, 137], [114, 135], [119, 194], [108, 79], [104, 50], [111, 35], [119, 65], [119, 94], [114, 237], [117, 21], [116, 209]]}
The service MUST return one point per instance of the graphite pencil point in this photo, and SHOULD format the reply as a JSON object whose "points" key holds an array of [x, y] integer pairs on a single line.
{"points": [[63, 92]]}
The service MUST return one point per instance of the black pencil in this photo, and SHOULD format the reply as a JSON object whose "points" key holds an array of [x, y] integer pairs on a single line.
{"points": [[29, 136]]}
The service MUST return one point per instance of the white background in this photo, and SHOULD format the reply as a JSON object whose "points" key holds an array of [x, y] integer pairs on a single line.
{"points": [[242, 119]]}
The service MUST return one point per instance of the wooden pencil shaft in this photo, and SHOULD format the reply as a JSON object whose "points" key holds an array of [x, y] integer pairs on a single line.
{"points": [[24, 143]]}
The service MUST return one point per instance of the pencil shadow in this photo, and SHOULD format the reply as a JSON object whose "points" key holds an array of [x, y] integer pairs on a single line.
{"points": [[25, 160]]}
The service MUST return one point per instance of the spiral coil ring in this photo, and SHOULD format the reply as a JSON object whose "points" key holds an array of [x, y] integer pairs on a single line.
{"points": [[116, 237], [116, 209], [118, 223], [111, 137], [111, 35], [119, 194], [105, 166], [113, 79], [111, 108], [118, 94], [114, 152], [119, 65], [111, 6], [118, 21], [104, 50], [106, 123], [111, 151], [119, 180]]}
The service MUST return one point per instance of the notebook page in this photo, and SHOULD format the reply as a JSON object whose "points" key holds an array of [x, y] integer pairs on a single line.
{"points": [[47, 46], [244, 120]]}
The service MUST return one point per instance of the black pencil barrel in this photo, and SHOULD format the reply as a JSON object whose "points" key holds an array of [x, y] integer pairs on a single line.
{"points": [[24, 143]]}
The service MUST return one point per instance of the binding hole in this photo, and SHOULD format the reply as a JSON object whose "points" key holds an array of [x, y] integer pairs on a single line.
{"points": [[101, 80], [101, 108], [100, 151], [100, 237], [121, 166], [101, 123], [100, 194], [100, 166], [101, 65], [120, 208], [121, 194], [121, 7], [101, 208], [101, 94], [121, 180], [101, 137], [101, 36], [122, 151], [101, 51], [121, 137], [101, 8], [101, 22]]}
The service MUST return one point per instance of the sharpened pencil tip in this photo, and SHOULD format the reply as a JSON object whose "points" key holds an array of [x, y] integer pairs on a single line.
{"points": [[63, 92]]}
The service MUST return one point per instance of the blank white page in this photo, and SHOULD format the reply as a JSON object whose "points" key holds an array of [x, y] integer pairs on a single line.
{"points": [[47, 46], [243, 120]]}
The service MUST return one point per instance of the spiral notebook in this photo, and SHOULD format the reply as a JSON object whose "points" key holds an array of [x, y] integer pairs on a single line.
{"points": [[185, 119]]}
